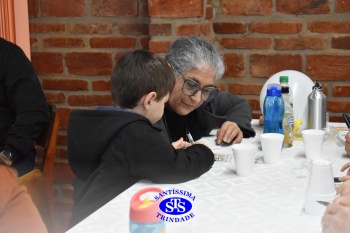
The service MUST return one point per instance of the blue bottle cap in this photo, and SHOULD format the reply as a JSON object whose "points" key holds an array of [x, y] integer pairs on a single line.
{"points": [[274, 89]]}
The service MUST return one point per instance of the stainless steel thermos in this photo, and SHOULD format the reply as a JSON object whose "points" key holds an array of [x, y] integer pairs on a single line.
{"points": [[317, 105]]}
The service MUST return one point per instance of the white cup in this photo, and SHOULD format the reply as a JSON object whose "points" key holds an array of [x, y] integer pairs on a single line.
{"points": [[244, 155], [271, 144], [320, 187], [313, 142]]}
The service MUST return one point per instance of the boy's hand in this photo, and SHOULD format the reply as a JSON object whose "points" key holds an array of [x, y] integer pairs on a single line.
{"points": [[181, 144]]}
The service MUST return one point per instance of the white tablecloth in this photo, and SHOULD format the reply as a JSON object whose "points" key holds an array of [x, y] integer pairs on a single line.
{"points": [[270, 200]]}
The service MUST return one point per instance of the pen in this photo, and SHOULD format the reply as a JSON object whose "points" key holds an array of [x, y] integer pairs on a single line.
{"points": [[347, 120], [190, 138]]}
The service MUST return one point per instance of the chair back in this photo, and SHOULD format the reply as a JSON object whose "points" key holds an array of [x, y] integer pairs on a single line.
{"points": [[46, 143]]}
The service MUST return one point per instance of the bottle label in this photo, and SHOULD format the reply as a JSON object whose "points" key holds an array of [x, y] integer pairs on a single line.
{"points": [[288, 128]]}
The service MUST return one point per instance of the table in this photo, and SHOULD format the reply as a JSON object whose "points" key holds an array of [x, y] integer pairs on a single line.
{"points": [[269, 200]]}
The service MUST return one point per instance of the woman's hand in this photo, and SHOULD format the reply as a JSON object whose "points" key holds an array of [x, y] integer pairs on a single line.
{"points": [[229, 133], [181, 144]]}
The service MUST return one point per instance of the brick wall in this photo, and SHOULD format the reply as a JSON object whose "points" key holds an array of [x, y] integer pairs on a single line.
{"points": [[75, 44]]}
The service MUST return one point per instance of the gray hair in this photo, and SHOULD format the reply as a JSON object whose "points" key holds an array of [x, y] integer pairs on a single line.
{"points": [[187, 53]]}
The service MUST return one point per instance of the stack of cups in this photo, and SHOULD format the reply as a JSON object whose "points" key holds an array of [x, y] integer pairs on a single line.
{"points": [[313, 142], [271, 144], [320, 187], [143, 213], [244, 156]]}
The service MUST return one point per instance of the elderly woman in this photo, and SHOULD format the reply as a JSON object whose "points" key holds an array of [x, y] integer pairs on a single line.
{"points": [[195, 105]]}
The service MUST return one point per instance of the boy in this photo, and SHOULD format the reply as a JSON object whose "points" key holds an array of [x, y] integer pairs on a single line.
{"points": [[110, 149]]}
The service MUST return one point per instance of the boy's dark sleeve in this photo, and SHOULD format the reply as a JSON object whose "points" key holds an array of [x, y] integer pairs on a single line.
{"points": [[157, 160]]}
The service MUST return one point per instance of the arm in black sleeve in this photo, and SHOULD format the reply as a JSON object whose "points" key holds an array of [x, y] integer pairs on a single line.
{"points": [[26, 102], [233, 109], [156, 160]]}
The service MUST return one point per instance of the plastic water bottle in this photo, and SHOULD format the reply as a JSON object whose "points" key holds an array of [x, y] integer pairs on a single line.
{"points": [[288, 118], [273, 109], [285, 87], [143, 213], [317, 103]]}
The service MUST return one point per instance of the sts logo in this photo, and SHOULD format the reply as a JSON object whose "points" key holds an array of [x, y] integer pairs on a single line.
{"points": [[176, 207]]}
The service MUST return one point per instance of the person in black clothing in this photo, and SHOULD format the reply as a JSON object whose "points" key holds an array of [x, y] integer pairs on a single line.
{"points": [[195, 105], [112, 148], [23, 108]]}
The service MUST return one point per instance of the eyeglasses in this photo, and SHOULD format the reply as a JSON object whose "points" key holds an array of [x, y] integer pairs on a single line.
{"points": [[191, 87]]}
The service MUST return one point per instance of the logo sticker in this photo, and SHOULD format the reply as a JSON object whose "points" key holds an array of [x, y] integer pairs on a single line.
{"points": [[176, 205]]}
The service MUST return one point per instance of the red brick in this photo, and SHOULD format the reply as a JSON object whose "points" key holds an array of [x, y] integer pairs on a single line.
{"points": [[61, 154], [228, 28], [112, 42], [276, 27], [33, 8], [90, 28], [133, 29], [234, 64], [336, 118], [264, 66], [62, 139], [64, 114], [175, 8], [101, 85], [209, 1], [55, 98], [255, 105], [300, 43], [65, 84], [143, 8], [144, 41], [33, 42], [256, 115], [89, 100], [245, 89], [118, 56], [341, 91], [63, 173], [188, 30], [192, 30], [338, 106], [160, 29], [209, 14], [159, 46], [342, 6], [329, 26], [246, 43], [328, 67], [63, 8], [303, 6], [341, 42], [221, 86], [114, 8], [47, 63], [63, 42], [89, 63], [246, 7], [46, 27]]}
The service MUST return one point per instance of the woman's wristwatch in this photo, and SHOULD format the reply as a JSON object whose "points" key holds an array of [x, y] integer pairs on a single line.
{"points": [[6, 157]]}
